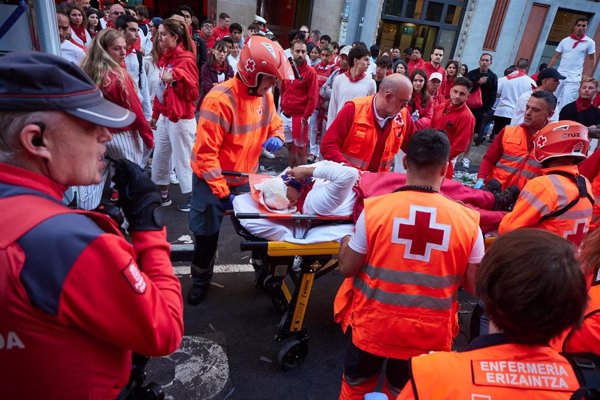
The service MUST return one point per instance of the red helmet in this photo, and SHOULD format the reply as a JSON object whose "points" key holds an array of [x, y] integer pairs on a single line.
{"points": [[561, 139], [263, 56]]}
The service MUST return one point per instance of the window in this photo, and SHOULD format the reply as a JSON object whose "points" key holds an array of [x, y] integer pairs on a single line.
{"points": [[393, 7], [496, 22], [414, 9], [453, 15], [434, 11]]}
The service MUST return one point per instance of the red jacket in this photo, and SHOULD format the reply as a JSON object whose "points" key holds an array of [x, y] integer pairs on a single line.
{"points": [[457, 122], [425, 113], [126, 97], [430, 69], [412, 65], [299, 97], [179, 100], [334, 138], [220, 32], [77, 298]]}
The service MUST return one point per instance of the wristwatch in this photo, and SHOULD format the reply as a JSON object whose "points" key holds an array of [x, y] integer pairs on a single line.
{"points": [[173, 83]]}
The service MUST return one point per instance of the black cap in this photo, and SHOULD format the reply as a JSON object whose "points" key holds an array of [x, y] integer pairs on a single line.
{"points": [[550, 73], [34, 81]]}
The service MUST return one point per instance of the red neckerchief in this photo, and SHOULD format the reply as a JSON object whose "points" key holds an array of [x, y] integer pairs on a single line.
{"points": [[80, 32], [354, 80], [129, 50], [305, 189], [577, 39], [582, 104], [82, 47], [220, 68], [324, 66], [516, 74]]}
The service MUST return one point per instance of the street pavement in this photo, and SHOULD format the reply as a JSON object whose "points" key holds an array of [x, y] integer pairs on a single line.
{"points": [[229, 351]]}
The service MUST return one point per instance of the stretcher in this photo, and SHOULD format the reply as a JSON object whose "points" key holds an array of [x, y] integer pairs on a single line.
{"points": [[274, 262]]}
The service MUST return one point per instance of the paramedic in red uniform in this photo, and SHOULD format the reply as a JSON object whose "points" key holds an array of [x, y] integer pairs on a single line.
{"points": [[527, 308], [410, 251], [77, 297], [508, 161], [368, 131]]}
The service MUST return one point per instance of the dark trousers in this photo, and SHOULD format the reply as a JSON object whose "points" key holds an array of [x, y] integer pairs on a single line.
{"points": [[360, 365], [499, 124], [206, 216]]}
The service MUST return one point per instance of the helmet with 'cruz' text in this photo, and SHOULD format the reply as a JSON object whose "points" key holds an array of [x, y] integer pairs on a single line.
{"points": [[561, 139], [263, 56]]}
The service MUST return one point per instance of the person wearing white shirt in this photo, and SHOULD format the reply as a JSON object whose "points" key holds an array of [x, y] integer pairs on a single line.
{"points": [[329, 193], [68, 50], [351, 84], [577, 54], [548, 80], [234, 57], [510, 88], [134, 62]]}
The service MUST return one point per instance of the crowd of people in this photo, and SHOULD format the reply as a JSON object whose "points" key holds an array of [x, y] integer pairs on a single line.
{"points": [[189, 99]]}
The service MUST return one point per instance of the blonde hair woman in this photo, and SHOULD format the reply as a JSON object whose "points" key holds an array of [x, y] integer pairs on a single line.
{"points": [[105, 64]]}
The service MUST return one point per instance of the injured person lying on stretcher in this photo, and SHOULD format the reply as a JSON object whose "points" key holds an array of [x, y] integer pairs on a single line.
{"points": [[326, 190]]}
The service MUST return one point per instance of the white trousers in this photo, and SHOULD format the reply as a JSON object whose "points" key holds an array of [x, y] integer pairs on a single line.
{"points": [[567, 92], [174, 141], [127, 145], [312, 134]]}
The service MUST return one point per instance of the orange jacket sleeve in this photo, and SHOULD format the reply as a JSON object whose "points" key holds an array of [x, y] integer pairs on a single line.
{"points": [[524, 213], [209, 138]]}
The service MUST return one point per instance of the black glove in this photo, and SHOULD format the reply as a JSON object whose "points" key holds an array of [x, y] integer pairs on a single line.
{"points": [[139, 197]]}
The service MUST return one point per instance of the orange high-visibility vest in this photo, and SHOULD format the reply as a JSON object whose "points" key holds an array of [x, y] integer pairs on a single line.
{"points": [[543, 196], [504, 371], [404, 299], [596, 210], [516, 165], [361, 140], [586, 338], [231, 130]]}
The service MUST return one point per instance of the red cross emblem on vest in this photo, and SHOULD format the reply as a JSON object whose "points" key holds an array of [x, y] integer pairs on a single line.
{"points": [[421, 233], [541, 141], [578, 233]]}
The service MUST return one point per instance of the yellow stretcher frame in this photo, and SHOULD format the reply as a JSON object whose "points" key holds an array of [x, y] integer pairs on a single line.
{"points": [[318, 260]]}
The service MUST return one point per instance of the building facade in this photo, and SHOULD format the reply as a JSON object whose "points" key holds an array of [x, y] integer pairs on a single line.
{"points": [[507, 29]]}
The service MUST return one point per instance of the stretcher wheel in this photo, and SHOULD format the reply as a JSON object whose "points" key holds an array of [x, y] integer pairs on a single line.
{"points": [[292, 353], [271, 284], [279, 302]]}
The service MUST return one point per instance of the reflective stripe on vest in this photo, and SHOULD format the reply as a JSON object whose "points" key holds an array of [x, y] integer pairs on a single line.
{"points": [[405, 300], [516, 165], [361, 141]]}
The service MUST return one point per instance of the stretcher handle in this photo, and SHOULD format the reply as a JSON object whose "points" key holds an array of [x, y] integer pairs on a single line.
{"points": [[251, 246], [235, 173], [303, 217]]}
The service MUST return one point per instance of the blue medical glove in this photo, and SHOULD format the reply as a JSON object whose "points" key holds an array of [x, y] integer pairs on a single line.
{"points": [[479, 184], [227, 202], [273, 144]]}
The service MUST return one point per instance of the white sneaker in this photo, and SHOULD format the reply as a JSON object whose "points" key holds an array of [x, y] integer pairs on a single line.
{"points": [[268, 154], [174, 180]]}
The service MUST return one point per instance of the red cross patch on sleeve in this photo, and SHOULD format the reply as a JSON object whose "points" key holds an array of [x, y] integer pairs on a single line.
{"points": [[135, 278]]}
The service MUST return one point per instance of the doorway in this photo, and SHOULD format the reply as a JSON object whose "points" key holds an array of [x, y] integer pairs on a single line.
{"points": [[561, 28]]}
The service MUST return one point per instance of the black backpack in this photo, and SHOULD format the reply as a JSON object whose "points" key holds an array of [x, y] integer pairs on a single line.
{"points": [[587, 369]]}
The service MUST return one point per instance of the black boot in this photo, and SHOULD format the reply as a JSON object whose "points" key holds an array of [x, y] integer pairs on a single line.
{"points": [[506, 199], [197, 293], [202, 268]]}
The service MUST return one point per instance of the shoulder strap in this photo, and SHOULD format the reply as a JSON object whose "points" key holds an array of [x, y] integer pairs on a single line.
{"points": [[587, 369], [141, 64], [581, 187], [21, 219]]}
